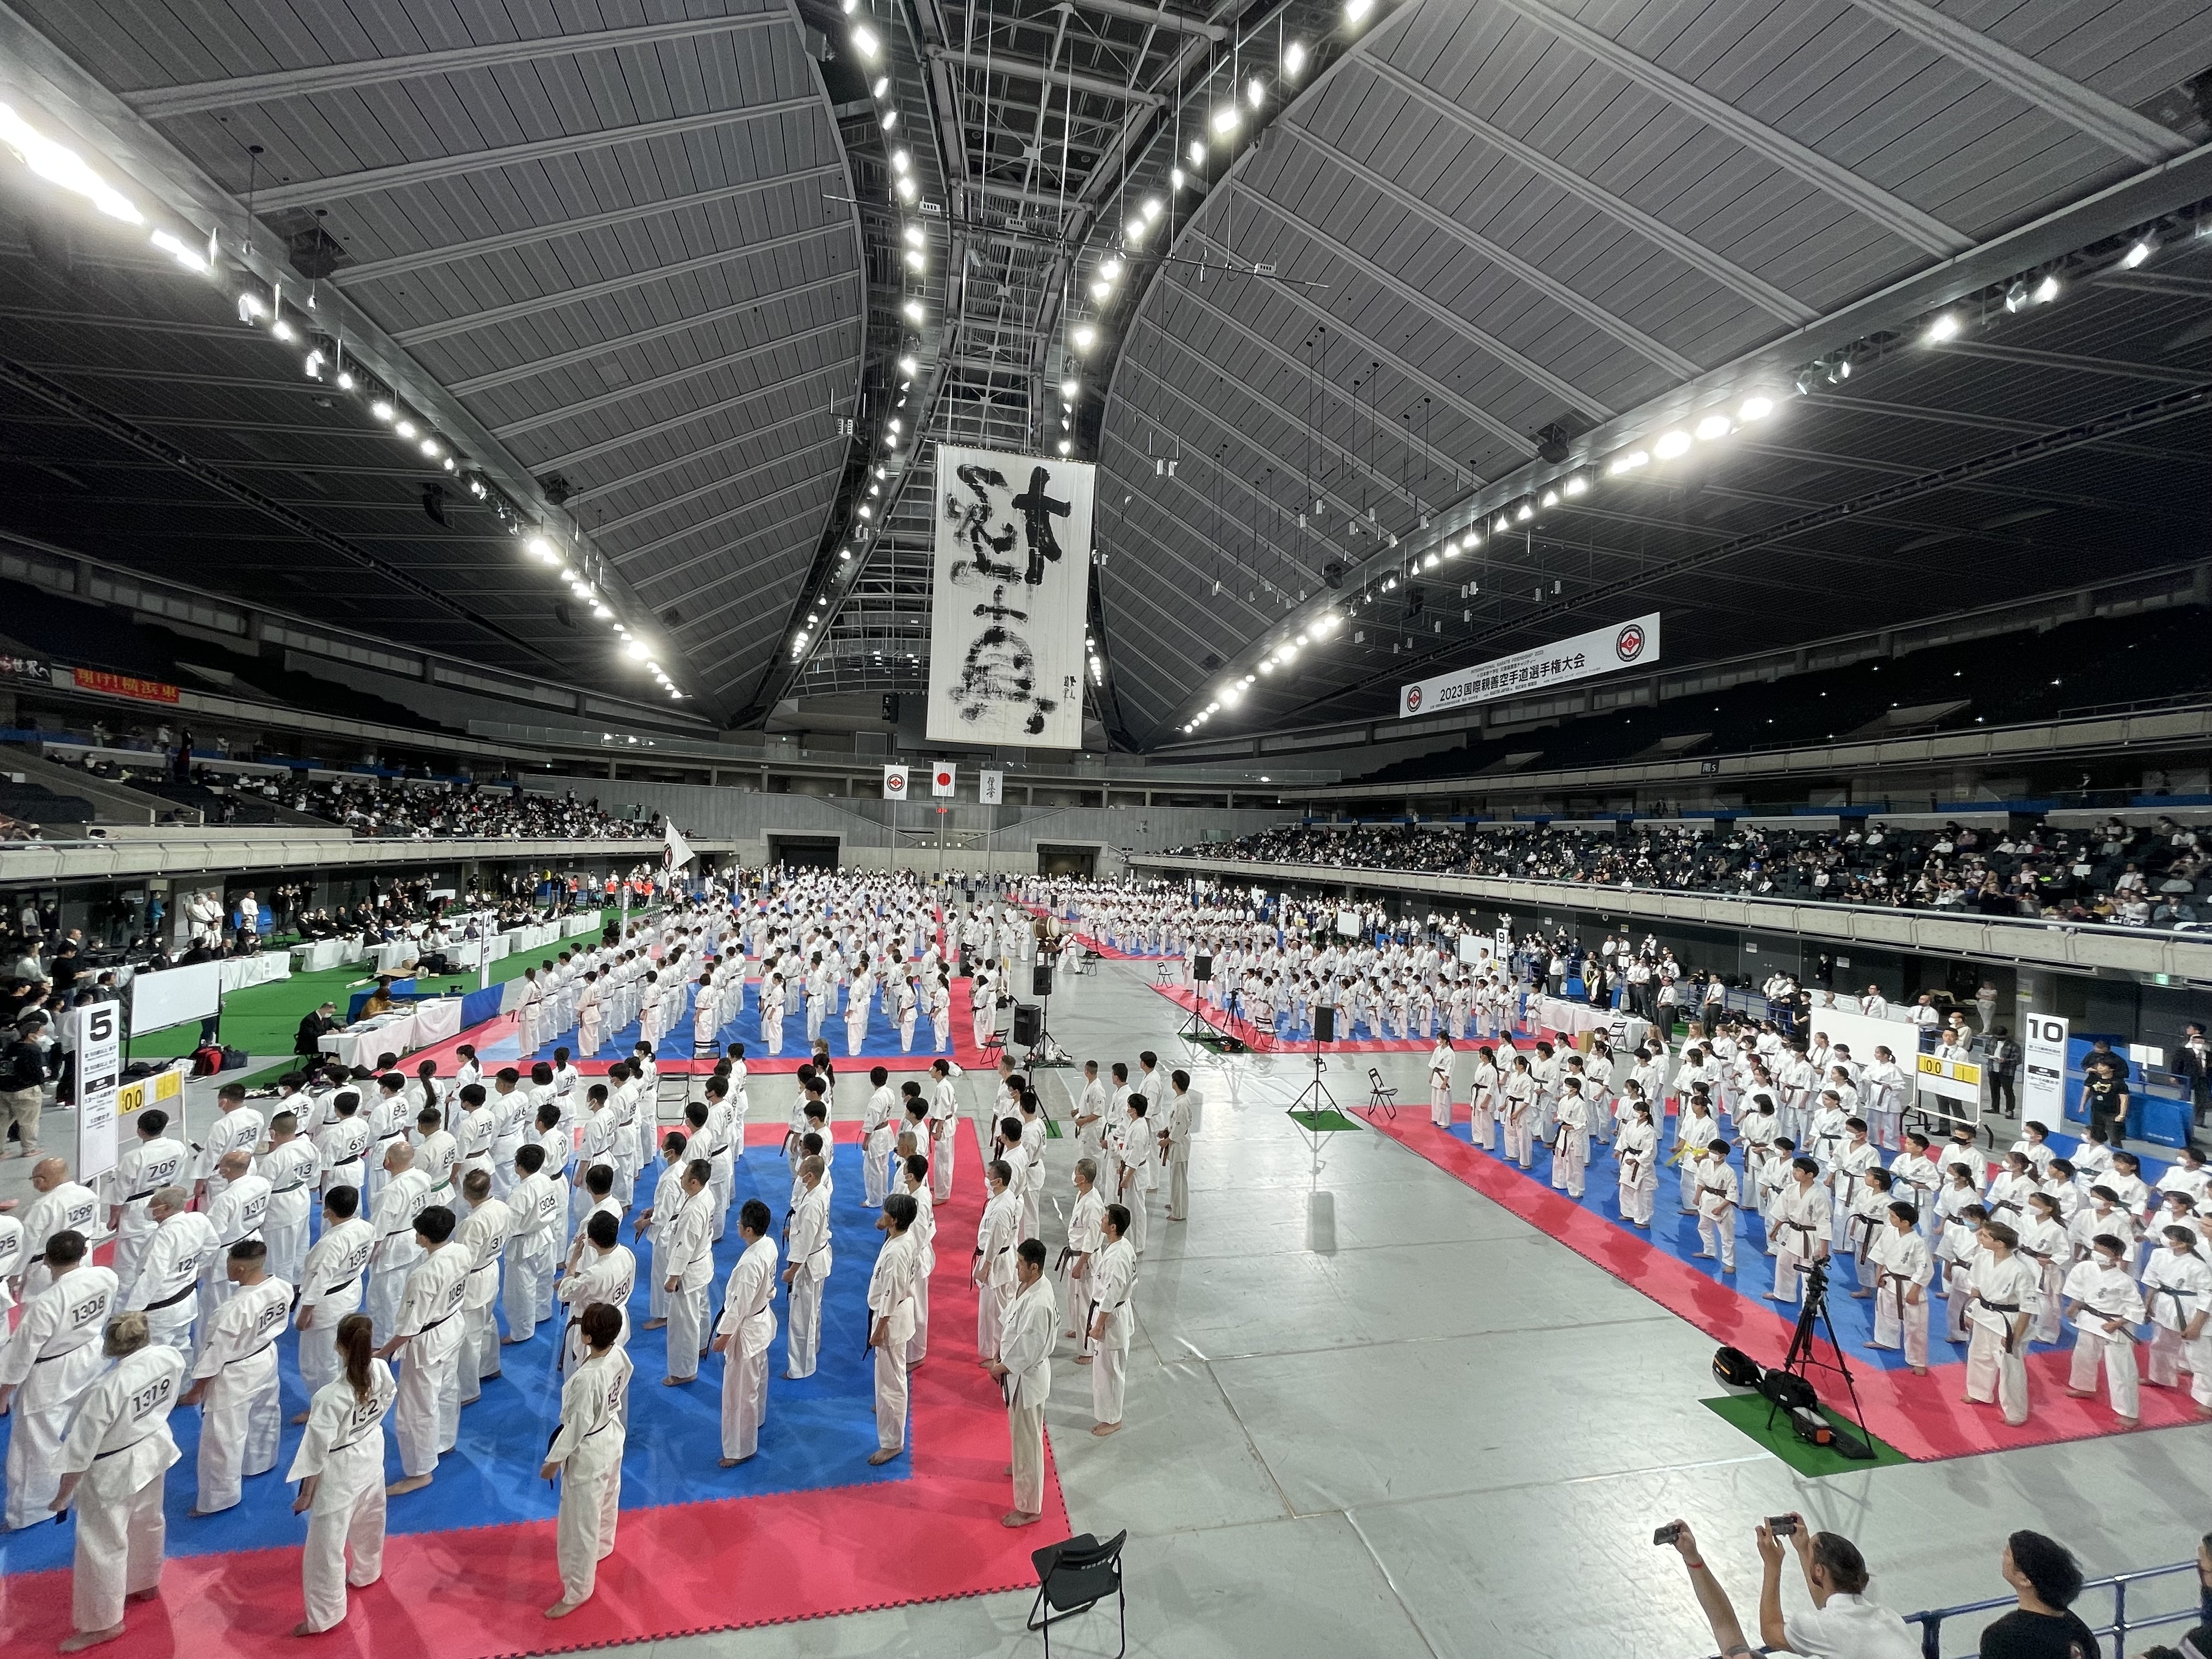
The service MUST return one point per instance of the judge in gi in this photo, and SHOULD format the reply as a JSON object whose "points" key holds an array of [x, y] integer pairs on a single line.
{"points": [[54, 1353], [810, 1264], [585, 1455], [426, 1410], [234, 1380], [1023, 1369], [890, 1320], [1112, 1321], [113, 1467], [742, 1336], [340, 1470], [685, 1262], [331, 1286], [168, 1287]]}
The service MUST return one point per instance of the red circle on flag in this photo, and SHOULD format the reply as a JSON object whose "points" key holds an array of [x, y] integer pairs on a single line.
{"points": [[944, 778]]}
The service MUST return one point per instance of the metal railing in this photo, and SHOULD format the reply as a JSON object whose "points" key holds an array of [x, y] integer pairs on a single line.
{"points": [[2118, 1628]]}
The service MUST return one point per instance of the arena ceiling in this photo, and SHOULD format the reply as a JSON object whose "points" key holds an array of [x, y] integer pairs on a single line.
{"points": [[1321, 288]]}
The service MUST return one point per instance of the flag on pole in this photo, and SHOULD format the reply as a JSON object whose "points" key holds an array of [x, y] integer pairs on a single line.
{"points": [[894, 783], [992, 788], [941, 782], [677, 853]]}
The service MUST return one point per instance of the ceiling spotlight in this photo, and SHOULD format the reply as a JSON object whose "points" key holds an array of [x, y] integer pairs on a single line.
{"points": [[1152, 209], [907, 366], [906, 188], [540, 548], [1550, 498], [1177, 179], [1526, 513], [1355, 11], [345, 379], [1669, 445], [1101, 288], [890, 120], [382, 410], [1577, 484], [1839, 369], [1474, 540], [1629, 463], [1069, 388], [912, 311], [1757, 407], [635, 649], [901, 161], [1197, 152], [1294, 59], [600, 612], [882, 85], [1255, 94], [1225, 120], [913, 234], [1066, 447], [405, 428], [1715, 426], [2045, 291], [1266, 665], [913, 258], [2142, 249], [1429, 563], [1083, 337], [1944, 327], [430, 447], [282, 330], [1110, 269], [865, 41]]}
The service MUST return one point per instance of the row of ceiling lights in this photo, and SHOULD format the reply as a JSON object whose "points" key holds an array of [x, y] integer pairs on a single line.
{"points": [[325, 359], [2031, 288]]}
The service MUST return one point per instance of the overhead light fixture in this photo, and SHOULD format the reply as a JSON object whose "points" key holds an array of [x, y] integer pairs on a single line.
{"points": [[1294, 59], [1101, 288], [913, 258], [1069, 388], [1255, 93], [1669, 445], [1577, 484], [912, 311], [540, 548], [1066, 447], [1176, 178], [1197, 152], [1225, 120], [189, 258], [58, 164], [908, 365], [1355, 11], [381, 410], [1630, 462], [430, 447], [345, 379], [1526, 513], [1944, 326], [882, 85], [1110, 269], [1757, 407], [635, 649], [1083, 337], [1550, 498], [865, 41], [906, 188], [1715, 426], [1152, 209], [2045, 291], [901, 161], [2142, 248], [913, 234], [405, 428]]}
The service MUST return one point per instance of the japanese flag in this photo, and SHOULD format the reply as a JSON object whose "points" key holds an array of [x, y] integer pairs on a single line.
{"points": [[940, 781], [894, 783]]}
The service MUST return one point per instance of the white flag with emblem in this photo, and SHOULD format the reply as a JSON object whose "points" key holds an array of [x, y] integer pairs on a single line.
{"points": [[894, 783]]}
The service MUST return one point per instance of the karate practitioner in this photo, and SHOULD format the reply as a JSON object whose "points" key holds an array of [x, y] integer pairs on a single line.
{"points": [[482, 1242], [2003, 1292], [1798, 1223], [996, 1234], [1637, 1150], [1440, 1083], [533, 1244], [1085, 1238], [690, 1265], [924, 1233], [2177, 1283], [743, 1334], [2105, 1305], [62, 1206], [943, 1116], [426, 1412], [876, 1133], [659, 1219], [44, 1366], [587, 1455], [1138, 1153], [1570, 1144], [112, 1468], [340, 1470], [1024, 1370], [1174, 1142], [1905, 1266], [808, 1268], [1717, 1199], [600, 1270], [234, 1381], [168, 1287], [1111, 1320], [331, 1286], [154, 1163], [406, 1192], [291, 1167], [890, 1322]]}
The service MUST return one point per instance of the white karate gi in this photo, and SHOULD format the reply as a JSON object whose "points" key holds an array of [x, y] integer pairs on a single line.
{"points": [[168, 1287], [140, 1172], [997, 1233], [810, 1254], [483, 1236], [120, 1446], [343, 1449], [1113, 1288], [2105, 1294], [54, 1352], [426, 1414], [877, 1138], [2179, 1288], [588, 1449], [1996, 1366], [404, 1197], [890, 1299], [329, 1289], [1903, 1262], [687, 1255], [944, 1139], [291, 1171], [1797, 1226], [749, 1322], [241, 1412], [533, 1247], [1032, 1326]]}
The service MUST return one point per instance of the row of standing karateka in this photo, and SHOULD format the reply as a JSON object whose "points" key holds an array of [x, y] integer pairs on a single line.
{"points": [[1121, 1145], [2014, 1247], [206, 1291]]}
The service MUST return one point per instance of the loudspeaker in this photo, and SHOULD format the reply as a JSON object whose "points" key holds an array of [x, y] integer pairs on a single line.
{"points": [[1324, 1023], [1029, 1023], [1201, 970], [1041, 979]]}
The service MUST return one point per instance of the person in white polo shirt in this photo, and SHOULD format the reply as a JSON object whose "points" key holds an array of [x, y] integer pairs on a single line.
{"points": [[1845, 1623]]}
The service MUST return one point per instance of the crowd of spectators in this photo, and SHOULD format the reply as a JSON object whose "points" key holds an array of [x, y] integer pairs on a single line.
{"points": [[422, 812], [2141, 876]]}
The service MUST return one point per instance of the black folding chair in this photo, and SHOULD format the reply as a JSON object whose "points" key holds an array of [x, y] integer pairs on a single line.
{"points": [[1073, 1577], [1382, 1096]]}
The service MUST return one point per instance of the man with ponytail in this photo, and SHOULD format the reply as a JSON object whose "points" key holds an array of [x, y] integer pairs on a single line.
{"points": [[340, 1471]]}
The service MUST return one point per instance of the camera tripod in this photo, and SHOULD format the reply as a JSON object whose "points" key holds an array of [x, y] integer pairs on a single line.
{"points": [[1802, 1355]]}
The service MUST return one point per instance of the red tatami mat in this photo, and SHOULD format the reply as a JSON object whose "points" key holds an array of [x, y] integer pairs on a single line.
{"points": [[473, 1593], [1926, 1417]]}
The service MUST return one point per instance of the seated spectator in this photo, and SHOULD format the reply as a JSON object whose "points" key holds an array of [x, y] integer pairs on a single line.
{"points": [[2046, 1578]]}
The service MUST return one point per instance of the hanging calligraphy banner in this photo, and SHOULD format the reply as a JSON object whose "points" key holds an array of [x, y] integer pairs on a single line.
{"points": [[1013, 576]]}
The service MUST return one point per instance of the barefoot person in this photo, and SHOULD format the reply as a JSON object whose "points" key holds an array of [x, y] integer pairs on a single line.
{"points": [[587, 1455], [890, 1320], [742, 1336], [1024, 1368], [340, 1469]]}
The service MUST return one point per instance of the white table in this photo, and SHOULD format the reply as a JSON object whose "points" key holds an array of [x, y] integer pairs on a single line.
{"points": [[239, 972], [436, 1018], [358, 1045], [1562, 1015], [318, 954]]}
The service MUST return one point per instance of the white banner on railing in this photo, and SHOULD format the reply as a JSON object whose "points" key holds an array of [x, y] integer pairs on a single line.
{"points": [[1601, 651], [1006, 614]]}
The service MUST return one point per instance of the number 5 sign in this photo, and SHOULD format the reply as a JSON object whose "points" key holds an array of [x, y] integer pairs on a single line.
{"points": [[100, 1068]]}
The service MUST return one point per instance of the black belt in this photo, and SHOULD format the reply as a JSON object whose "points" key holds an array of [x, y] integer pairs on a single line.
{"points": [[117, 1451], [172, 1301], [341, 1286], [280, 1191], [256, 1354], [64, 1354], [2003, 1308], [434, 1325]]}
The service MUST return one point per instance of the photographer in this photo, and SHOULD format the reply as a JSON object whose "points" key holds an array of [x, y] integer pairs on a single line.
{"points": [[1728, 1631], [1844, 1622]]}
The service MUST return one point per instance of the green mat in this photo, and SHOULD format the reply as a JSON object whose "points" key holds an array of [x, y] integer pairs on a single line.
{"points": [[1321, 1123], [1748, 1412]]}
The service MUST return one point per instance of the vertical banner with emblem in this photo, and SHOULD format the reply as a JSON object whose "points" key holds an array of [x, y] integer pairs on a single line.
{"points": [[1009, 600], [2042, 1070], [98, 1069], [991, 788], [894, 783]]}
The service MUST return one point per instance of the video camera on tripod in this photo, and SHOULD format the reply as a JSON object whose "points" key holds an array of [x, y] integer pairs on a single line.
{"points": [[1787, 1389]]}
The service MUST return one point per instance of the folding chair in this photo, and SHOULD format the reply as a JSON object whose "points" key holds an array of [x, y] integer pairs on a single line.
{"points": [[1382, 1096], [1074, 1577]]}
